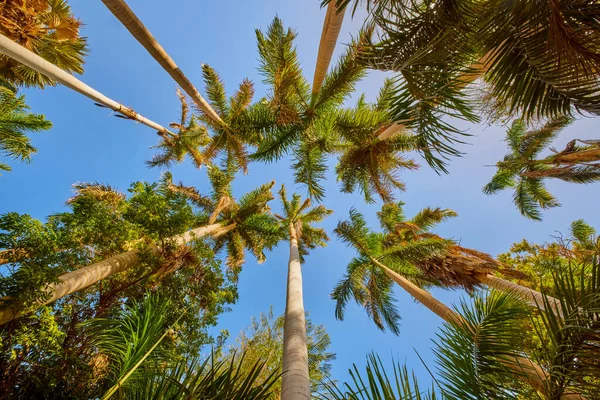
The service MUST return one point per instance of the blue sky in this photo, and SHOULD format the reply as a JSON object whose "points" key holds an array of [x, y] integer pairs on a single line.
{"points": [[87, 144]]}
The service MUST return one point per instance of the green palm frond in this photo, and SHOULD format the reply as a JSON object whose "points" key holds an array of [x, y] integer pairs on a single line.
{"points": [[471, 355], [428, 217], [97, 191], [375, 384], [212, 378], [215, 90], [310, 165]]}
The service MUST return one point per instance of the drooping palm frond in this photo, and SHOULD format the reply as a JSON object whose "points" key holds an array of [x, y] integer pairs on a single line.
{"points": [[472, 355], [132, 341], [97, 191], [374, 384], [198, 379]]}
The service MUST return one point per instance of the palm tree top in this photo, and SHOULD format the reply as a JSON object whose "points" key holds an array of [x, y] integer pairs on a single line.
{"points": [[297, 213]]}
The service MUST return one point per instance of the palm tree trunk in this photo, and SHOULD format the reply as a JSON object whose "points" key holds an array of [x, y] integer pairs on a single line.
{"points": [[295, 383], [33, 61], [532, 297], [121, 10], [86, 276], [527, 370], [391, 131], [331, 30], [576, 157]]}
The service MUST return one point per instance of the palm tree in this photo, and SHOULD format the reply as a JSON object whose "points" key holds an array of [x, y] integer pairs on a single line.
{"points": [[189, 138], [522, 170], [372, 146], [297, 220], [52, 72], [48, 29], [369, 277], [242, 224], [334, 17], [242, 123], [121, 10], [15, 122], [303, 127]]}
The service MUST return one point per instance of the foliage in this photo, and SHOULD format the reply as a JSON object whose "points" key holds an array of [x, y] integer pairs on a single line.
{"points": [[297, 215], [523, 170], [47, 28], [50, 344], [263, 341], [15, 123]]}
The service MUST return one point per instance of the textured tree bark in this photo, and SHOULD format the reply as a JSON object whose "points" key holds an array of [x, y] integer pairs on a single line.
{"points": [[121, 10], [576, 157], [295, 382], [529, 295], [86, 276], [527, 370], [33, 61], [331, 31], [391, 131]]}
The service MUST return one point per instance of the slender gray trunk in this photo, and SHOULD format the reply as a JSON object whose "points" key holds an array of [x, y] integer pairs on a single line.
{"points": [[37, 63], [121, 10], [295, 382]]}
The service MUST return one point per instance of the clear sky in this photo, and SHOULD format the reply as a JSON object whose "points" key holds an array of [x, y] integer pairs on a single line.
{"points": [[87, 144]]}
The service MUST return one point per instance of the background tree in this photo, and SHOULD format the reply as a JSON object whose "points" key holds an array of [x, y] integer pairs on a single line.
{"points": [[49, 29], [524, 170], [263, 341]]}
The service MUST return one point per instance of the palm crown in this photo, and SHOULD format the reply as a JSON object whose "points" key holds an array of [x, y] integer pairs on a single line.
{"points": [[299, 215], [524, 170], [47, 28]]}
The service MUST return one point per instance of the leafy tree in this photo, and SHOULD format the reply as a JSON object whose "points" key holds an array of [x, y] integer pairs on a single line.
{"points": [[263, 341], [523, 169], [15, 123], [49, 344], [49, 29]]}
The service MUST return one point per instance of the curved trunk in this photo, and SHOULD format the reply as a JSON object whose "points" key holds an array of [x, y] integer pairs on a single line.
{"points": [[331, 30], [86, 276], [37, 63], [531, 296], [527, 370], [121, 10], [295, 383]]}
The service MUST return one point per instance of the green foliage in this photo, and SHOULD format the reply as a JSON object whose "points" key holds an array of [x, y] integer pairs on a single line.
{"points": [[49, 29], [297, 214], [16, 122], [263, 341], [524, 170], [101, 222]]}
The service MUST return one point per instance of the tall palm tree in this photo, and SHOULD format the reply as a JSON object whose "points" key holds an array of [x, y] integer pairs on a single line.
{"points": [[52, 72], [369, 277], [524, 170], [371, 148], [15, 123], [457, 266], [121, 10], [242, 224], [296, 220], [334, 17], [48, 29], [302, 127]]}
